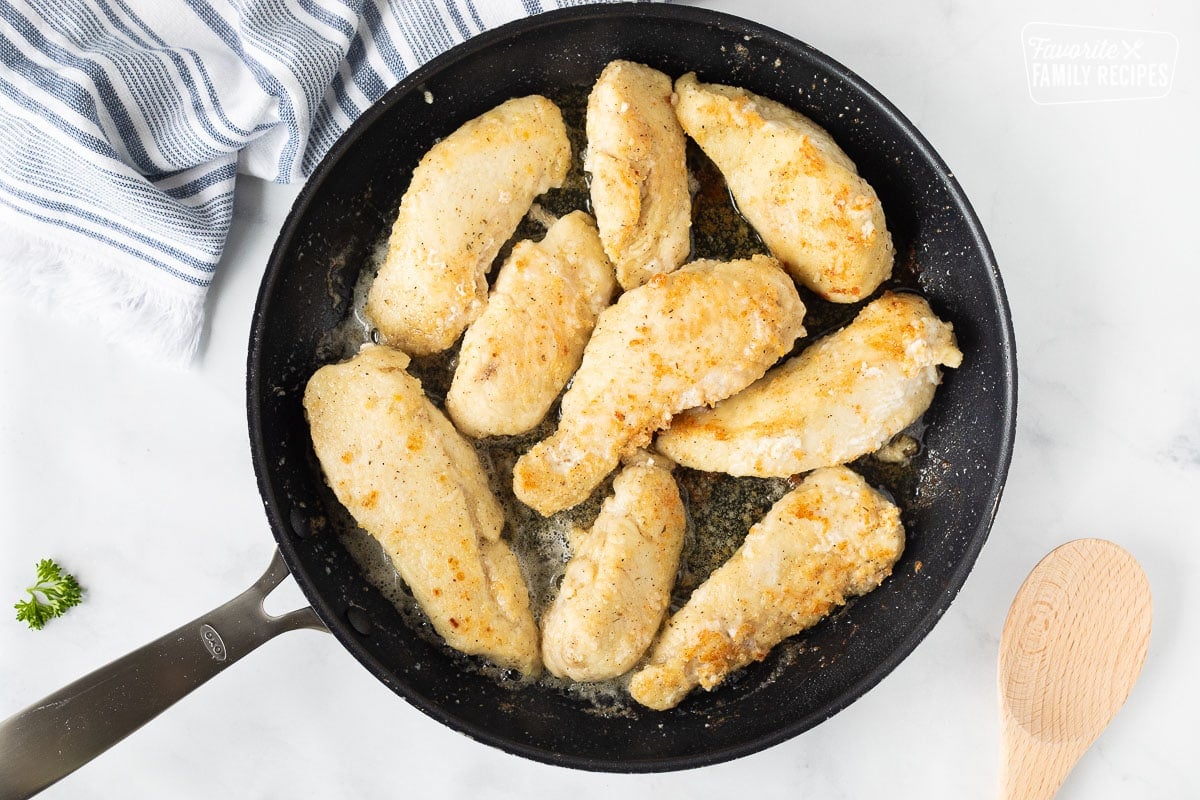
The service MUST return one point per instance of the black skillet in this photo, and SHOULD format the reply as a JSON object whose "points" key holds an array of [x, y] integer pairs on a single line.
{"points": [[345, 209]]}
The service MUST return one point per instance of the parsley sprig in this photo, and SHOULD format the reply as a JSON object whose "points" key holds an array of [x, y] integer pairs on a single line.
{"points": [[54, 592]]}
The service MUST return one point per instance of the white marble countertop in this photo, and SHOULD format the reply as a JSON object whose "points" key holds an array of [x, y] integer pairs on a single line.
{"points": [[139, 477]]}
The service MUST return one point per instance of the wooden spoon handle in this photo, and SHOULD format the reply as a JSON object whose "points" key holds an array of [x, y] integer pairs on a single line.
{"points": [[1032, 769]]}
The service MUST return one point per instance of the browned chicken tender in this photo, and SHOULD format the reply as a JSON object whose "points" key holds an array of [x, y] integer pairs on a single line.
{"points": [[617, 585], [412, 482], [465, 200], [831, 538], [517, 357], [844, 396], [636, 155], [684, 339], [794, 184]]}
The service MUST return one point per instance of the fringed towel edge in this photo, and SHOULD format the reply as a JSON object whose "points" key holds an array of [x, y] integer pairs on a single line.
{"points": [[72, 277]]}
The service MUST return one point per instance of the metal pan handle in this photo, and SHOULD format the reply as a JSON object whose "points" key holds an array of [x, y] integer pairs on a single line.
{"points": [[52, 738]]}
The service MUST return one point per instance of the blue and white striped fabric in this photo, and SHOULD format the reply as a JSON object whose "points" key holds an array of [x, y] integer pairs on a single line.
{"points": [[123, 124]]}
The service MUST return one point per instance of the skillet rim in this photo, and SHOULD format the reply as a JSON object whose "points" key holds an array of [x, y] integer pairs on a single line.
{"points": [[1007, 369]]}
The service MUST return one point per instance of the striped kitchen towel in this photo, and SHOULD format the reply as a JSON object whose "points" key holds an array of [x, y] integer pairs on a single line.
{"points": [[123, 124]]}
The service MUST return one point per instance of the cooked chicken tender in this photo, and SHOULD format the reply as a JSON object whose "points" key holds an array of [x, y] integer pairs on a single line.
{"points": [[617, 585], [795, 185], [639, 182], [411, 481], [831, 538], [843, 397], [684, 339], [465, 200], [517, 357]]}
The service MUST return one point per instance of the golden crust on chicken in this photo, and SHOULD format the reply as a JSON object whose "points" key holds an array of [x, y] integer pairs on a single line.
{"points": [[412, 482], [516, 358], [793, 183], [636, 156], [684, 339], [465, 200], [844, 396], [831, 538]]}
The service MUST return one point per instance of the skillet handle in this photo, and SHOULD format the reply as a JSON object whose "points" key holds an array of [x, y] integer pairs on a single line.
{"points": [[52, 738]]}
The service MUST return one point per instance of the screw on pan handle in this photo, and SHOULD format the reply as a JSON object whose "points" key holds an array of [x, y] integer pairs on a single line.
{"points": [[54, 737]]}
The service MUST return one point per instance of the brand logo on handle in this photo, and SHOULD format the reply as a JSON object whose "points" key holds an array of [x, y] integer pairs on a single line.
{"points": [[213, 643]]}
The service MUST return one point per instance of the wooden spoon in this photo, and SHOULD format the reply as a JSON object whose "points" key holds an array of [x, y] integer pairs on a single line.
{"points": [[1072, 648]]}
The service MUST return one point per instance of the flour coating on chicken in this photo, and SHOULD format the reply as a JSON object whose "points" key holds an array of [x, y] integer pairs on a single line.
{"points": [[465, 200], [843, 397], [793, 183], [412, 482], [831, 538], [684, 339], [517, 357], [618, 583], [639, 183]]}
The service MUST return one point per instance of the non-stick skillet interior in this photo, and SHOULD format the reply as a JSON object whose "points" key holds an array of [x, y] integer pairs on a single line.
{"points": [[350, 203]]}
